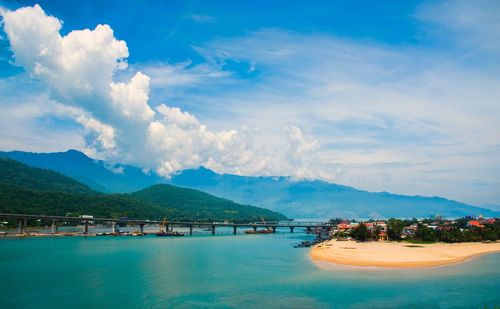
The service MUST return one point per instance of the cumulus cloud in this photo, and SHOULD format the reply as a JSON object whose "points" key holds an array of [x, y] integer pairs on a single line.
{"points": [[418, 119], [105, 134], [132, 98], [186, 142], [79, 70]]}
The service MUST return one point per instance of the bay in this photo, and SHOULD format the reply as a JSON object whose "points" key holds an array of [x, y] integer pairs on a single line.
{"points": [[228, 271]]}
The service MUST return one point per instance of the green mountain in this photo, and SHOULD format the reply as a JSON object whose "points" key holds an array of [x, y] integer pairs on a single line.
{"points": [[15, 199], [189, 203], [18, 174], [29, 190]]}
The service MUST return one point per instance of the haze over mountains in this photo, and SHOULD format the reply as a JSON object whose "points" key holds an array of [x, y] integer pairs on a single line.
{"points": [[297, 199]]}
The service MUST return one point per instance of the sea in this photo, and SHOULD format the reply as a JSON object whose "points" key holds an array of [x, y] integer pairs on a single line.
{"points": [[223, 271]]}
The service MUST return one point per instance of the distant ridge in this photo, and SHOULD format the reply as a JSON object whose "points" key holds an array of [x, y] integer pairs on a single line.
{"points": [[94, 173], [299, 199], [314, 198]]}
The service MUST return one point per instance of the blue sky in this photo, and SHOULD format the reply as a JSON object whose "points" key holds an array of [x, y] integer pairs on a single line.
{"points": [[168, 29], [397, 96]]}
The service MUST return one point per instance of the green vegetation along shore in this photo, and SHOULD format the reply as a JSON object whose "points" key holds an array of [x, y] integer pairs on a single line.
{"points": [[430, 230]]}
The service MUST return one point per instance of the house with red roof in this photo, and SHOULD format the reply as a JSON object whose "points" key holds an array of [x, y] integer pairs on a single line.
{"points": [[475, 223]]}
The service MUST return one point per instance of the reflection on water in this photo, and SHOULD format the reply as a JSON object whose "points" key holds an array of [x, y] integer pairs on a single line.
{"points": [[242, 271]]}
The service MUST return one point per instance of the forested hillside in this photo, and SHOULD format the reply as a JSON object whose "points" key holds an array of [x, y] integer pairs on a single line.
{"points": [[29, 190]]}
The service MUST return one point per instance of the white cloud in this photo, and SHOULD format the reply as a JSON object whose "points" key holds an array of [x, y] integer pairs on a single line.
{"points": [[184, 142], [410, 119], [79, 70], [132, 98], [384, 117], [105, 133]]}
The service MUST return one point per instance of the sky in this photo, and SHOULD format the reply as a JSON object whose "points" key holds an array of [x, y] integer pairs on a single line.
{"points": [[398, 96]]}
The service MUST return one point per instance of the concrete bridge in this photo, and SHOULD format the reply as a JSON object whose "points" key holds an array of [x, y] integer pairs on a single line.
{"points": [[85, 221]]}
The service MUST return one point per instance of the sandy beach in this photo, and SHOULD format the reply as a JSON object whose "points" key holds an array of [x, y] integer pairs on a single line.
{"points": [[398, 254]]}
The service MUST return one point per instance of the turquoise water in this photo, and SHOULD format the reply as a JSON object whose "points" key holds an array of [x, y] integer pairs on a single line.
{"points": [[242, 271]]}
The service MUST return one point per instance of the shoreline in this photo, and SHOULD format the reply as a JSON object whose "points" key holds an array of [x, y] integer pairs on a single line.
{"points": [[398, 254]]}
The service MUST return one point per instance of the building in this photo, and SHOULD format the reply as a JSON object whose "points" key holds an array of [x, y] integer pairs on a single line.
{"points": [[475, 223], [383, 236]]}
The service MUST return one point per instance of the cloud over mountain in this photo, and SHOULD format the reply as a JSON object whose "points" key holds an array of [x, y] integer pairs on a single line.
{"points": [[80, 71], [405, 100]]}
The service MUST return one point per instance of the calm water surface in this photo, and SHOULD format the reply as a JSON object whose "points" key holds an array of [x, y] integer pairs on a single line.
{"points": [[242, 271]]}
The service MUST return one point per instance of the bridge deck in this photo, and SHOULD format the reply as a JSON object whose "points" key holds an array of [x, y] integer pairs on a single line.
{"points": [[178, 223]]}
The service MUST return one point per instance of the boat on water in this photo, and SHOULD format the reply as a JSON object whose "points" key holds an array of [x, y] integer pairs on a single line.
{"points": [[267, 230], [169, 233], [164, 232]]}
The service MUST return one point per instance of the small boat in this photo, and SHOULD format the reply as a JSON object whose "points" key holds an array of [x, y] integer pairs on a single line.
{"points": [[255, 231], [169, 233], [266, 231]]}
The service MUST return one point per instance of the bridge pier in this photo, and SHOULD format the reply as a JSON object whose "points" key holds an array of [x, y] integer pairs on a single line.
{"points": [[85, 227], [235, 229], [21, 229], [190, 229], [274, 229], [291, 229], [213, 229], [55, 229], [141, 227], [255, 228], [308, 229], [113, 227]]}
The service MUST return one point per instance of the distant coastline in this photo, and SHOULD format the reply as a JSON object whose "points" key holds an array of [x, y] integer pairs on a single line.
{"points": [[398, 254]]}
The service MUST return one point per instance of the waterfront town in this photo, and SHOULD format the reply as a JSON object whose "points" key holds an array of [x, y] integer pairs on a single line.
{"points": [[435, 229]]}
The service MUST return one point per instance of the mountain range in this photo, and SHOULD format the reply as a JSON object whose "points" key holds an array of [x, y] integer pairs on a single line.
{"points": [[297, 199], [31, 190]]}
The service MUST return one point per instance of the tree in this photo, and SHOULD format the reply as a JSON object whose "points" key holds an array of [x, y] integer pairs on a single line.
{"points": [[461, 223], [394, 228], [425, 233], [376, 232], [491, 231], [336, 221], [450, 235], [361, 233]]}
